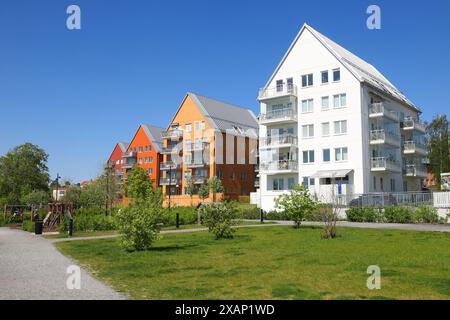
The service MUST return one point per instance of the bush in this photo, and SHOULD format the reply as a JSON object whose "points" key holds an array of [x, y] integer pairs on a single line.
{"points": [[246, 211], [244, 199], [4, 221], [28, 225], [364, 214], [399, 214], [218, 218], [276, 215], [426, 214], [188, 215], [90, 219], [140, 224]]}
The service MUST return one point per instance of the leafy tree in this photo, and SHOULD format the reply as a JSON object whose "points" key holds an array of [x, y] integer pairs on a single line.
{"points": [[216, 186], [22, 171], [138, 184], [37, 198], [203, 191], [297, 204], [73, 195], [218, 217], [191, 189], [91, 196], [438, 146]]}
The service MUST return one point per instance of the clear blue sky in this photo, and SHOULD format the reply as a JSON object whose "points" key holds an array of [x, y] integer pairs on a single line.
{"points": [[75, 93]]}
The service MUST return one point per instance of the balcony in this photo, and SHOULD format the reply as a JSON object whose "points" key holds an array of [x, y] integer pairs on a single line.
{"points": [[412, 147], [383, 137], [409, 124], [198, 146], [198, 179], [277, 92], [195, 164], [169, 165], [285, 115], [174, 149], [280, 141], [175, 134], [169, 181], [131, 154], [281, 166], [385, 164], [129, 164], [379, 110], [413, 170]]}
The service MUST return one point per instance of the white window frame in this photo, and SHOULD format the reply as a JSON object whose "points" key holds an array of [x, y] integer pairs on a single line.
{"points": [[339, 124], [321, 77], [310, 131], [308, 83], [329, 155], [323, 131], [333, 71], [341, 154], [309, 105], [309, 153], [188, 127], [341, 97], [322, 99]]}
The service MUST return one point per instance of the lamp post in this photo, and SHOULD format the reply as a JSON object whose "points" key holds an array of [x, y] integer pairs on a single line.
{"points": [[57, 187]]}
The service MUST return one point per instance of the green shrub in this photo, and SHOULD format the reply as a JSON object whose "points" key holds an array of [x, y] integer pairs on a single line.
{"points": [[4, 221], [364, 214], [426, 214], [218, 218], [188, 215], [140, 224], [244, 199], [247, 211], [399, 214], [276, 215], [90, 219], [28, 225]]}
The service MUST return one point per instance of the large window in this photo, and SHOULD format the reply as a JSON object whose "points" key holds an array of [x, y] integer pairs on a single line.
{"points": [[188, 127], [278, 184], [325, 103], [291, 183], [336, 75], [279, 85], [326, 155], [340, 100], [307, 80], [307, 106], [307, 182], [308, 156], [325, 129], [324, 76], [308, 131], [340, 127], [341, 154]]}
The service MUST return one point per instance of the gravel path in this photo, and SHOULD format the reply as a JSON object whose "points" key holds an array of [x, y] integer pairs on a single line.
{"points": [[31, 268]]}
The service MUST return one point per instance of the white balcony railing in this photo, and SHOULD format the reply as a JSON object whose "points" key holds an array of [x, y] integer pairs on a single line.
{"points": [[169, 181], [382, 136], [413, 170], [384, 164], [168, 165], [279, 140], [412, 147], [410, 123], [277, 91], [197, 146], [286, 114], [172, 134], [281, 165], [379, 110]]}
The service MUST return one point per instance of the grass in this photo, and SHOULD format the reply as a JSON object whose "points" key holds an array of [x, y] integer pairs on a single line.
{"points": [[275, 263]]}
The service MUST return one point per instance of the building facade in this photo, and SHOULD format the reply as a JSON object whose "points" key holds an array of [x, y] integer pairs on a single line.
{"points": [[334, 123], [207, 138]]}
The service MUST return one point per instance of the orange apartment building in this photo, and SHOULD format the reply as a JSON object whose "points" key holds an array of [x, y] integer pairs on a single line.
{"points": [[207, 138]]}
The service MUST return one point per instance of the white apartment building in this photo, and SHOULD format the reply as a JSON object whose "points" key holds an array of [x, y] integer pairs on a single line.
{"points": [[330, 120]]}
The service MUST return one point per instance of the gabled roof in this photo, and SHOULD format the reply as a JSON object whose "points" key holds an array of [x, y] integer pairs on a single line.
{"points": [[362, 70], [154, 134], [223, 116], [123, 146]]}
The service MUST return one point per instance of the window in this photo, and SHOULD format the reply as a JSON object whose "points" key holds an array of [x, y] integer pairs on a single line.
{"points": [[150, 170], [307, 181], [339, 100], [140, 160], [307, 105], [308, 131], [197, 125], [219, 173], [381, 184], [188, 158], [140, 149], [340, 127], [325, 103], [278, 184], [336, 75], [150, 159], [145, 160], [374, 183], [392, 184], [279, 85], [243, 176], [202, 125], [149, 148], [325, 129], [146, 148], [341, 154], [308, 156], [326, 155], [188, 127], [307, 80], [290, 84], [324, 76], [291, 183]]}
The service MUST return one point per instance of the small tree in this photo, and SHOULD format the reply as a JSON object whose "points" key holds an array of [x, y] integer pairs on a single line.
{"points": [[191, 190], [218, 218], [216, 186], [140, 222], [73, 194], [203, 191], [37, 198], [296, 204]]}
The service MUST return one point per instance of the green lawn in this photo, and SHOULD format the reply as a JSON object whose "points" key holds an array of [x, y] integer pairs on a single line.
{"points": [[275, 263]]}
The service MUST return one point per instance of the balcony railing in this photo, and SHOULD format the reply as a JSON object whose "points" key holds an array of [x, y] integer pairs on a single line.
{"points": [[281, 165], [383, 136], [172, 134], [196, 164], [411, 147], [168, 166], [174, 149], [286, 114], [198, 179], [198, 146], [273, 141], [385, 164], [277, 91], [410, 123], [169, 181], [131, 154], [379, 110], [413, 170], [129, 164]]}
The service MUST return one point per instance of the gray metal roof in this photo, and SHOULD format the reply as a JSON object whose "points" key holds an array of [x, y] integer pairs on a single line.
{"points": [[154, 134], [123, 146], [224, 116]]}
